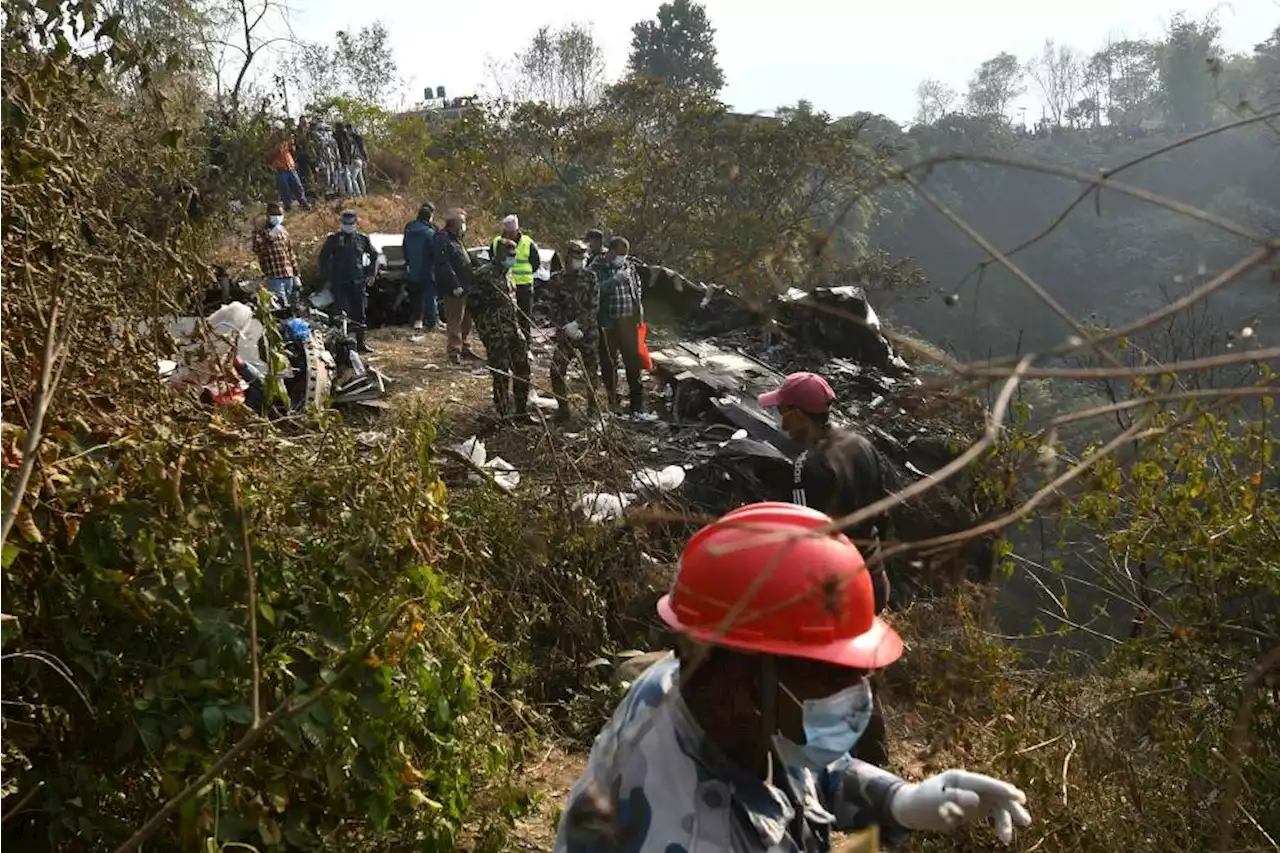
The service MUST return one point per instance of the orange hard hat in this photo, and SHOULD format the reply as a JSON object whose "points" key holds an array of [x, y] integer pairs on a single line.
{"points": [[759, 580]]}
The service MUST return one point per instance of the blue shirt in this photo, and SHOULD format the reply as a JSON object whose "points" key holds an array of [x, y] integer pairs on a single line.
{"points": [[673, 792]]}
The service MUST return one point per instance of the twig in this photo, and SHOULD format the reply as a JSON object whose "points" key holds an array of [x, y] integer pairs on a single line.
{"points": [[50, 356], [22, 803], [1085, 414], [253, 598], [1224, 360], [291, 707], [1065, 764]]}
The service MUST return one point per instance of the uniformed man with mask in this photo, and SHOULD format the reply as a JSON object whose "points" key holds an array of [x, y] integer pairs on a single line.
{"points": [[491, 301], [347, 261], [574, 298]]}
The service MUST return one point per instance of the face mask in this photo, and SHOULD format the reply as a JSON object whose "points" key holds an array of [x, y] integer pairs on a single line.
{"points": [[275, 220], [575, 264], [348, 228], [832, 725], [619, 263], [508, 263]]}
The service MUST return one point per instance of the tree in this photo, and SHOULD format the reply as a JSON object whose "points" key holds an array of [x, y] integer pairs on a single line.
{"points": [[934, 99], [1186, 64], [678, 47], [1128, 70], [1058, 72], [564, 67], [366, 60], [994, 86], [358, 66]]}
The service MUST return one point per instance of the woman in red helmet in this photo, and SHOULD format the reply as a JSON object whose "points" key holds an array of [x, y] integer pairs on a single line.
{"points": [[741, 742]]}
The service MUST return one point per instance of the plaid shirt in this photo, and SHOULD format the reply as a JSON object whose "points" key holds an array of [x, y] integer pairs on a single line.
{"points": [[275, 252], [619, 290]]}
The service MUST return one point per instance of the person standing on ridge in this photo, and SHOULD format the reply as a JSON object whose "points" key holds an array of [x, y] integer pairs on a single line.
{"points": [[420, 267], [276, 258], [359, 159], [620, 314], [741, 741], [288, 186], [453, 279], [492, 301], [342, 139], [574, 298], [347, 261], [527, 262]]}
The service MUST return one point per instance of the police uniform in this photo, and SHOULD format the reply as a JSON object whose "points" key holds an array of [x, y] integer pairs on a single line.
{"points": [[574, 297], [492, 303]]}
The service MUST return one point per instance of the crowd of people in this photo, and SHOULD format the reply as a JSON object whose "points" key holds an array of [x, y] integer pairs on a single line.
{"points": [[764, 730], [317, 160]]}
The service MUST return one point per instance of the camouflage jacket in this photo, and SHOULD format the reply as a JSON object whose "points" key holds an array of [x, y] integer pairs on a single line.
{"points": [[669, 789], [574, 296], [492, 298]]}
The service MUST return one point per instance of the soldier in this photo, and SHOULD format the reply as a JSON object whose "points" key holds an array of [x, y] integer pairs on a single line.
{"points": [[492, 302], [574, 298]]}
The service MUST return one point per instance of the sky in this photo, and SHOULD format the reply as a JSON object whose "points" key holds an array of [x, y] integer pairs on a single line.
{"points": [[777, 53]]}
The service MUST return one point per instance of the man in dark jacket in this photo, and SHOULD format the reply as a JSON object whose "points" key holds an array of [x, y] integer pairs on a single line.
{"points": [[453, 279], [347, 261], [839, 472], [420, 266], [359, 159], [345, 152]]}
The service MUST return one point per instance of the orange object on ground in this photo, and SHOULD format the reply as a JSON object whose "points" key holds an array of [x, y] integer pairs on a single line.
{"points": [[642, 332]]}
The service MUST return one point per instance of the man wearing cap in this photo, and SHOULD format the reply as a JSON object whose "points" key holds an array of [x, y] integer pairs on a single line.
{"points": [[288, 186], [741, 741], [527, 262], [574, 298], [420, 267], [492, 301], [621, 311], [347, 261], [276, 258], [595, 245]]}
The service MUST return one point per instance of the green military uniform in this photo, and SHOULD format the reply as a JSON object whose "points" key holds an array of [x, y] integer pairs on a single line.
{"points": [[574, 298], [492, 302]]}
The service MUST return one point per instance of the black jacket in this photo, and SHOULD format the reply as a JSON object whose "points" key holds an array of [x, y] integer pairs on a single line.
{"points": [[453, 264], [341, 261]]}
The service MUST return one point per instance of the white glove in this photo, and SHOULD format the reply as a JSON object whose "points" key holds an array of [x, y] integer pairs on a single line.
{"points": [[958, 796], [571, 329], [457, 291]]}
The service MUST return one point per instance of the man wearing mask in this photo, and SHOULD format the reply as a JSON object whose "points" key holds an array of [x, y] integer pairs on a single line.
{"points": [[276, 258], [595, 245], [741, 741], [574, 298], [492, 301], [288, 186], [453, 279], [347, 261], [527, 261], [420, 264], [619, 317]]}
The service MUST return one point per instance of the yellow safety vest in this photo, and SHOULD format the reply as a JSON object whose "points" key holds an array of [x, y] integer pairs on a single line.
{"points": [[522, 272]]}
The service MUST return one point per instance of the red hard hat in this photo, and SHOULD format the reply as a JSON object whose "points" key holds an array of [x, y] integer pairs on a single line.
{"points": [[805, 596]]}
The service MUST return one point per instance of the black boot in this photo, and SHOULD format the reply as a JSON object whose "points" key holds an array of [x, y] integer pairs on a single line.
{"points": [[361, 346]]}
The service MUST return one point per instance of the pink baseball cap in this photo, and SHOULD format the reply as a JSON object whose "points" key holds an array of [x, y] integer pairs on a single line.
{"points": [[807, 392]]}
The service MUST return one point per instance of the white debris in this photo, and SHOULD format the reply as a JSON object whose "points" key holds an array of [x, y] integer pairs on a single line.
{"points": [[370, 438], [503, 472], [668, 479], [473, 448], [604, 506]]}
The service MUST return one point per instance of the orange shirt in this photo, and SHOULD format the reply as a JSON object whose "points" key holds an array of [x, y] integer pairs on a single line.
{"points": [[282, 155]]}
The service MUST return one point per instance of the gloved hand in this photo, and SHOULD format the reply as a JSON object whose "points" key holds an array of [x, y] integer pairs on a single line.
{"points": [[571, 329], [958, 796], [457, 291]]}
